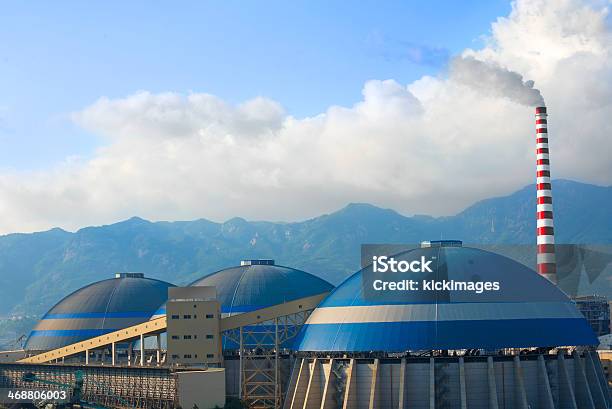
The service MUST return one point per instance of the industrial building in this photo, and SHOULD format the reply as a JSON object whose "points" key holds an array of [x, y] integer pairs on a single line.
{"points": [[99, 308], [239, 322], [524, 346], [277, 337], [596, 310]]}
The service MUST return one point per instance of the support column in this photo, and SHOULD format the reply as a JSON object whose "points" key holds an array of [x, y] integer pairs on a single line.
{"points": [[142, 350], [301, 385], [493, 404], [566, 390], [129, 354], [520, 396], [113, 353], [462, 388], [240, 373], [349, 391], [327, 401], [374, 386], [277, 394], [313, 397], [599, 371], [544, 392], [403, 398], [87, 357], [584, 399], [432, 384], [598, 395], [158, 352]]}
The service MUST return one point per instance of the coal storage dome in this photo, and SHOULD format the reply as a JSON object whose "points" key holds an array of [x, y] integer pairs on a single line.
{"points": [[526, 311], [99, 308], [258, 284]]}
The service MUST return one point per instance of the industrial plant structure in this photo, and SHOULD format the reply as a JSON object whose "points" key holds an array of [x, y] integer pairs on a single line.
{"points": [[99, 308], [279, 337], [455, 349]]}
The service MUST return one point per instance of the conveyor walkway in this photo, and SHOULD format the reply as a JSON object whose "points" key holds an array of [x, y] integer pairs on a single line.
{"points": [[159, 325]]}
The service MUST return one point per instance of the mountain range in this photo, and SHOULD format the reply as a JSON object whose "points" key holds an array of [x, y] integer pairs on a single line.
{"points": [[38, 269]]}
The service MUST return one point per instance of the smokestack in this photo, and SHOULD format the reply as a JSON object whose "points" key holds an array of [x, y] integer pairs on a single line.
{"points": [[547, 266]]}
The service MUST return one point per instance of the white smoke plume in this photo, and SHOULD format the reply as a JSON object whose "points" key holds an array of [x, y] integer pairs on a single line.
{"points": [[491, 79]]}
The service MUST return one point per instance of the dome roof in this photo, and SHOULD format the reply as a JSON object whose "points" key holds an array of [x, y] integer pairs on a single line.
{"points": [[97, 309], [258, 284], [526, 311]]}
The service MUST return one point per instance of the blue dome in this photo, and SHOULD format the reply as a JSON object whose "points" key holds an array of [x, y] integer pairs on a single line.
{"points": [[526, 311], [97, 309], [259, 283]]}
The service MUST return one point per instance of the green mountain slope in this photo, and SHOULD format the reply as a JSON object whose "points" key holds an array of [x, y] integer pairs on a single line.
{"points": [[37, 270]]}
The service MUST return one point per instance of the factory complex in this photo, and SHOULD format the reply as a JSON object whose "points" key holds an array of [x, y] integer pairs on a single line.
{"points": [[453, 327]]}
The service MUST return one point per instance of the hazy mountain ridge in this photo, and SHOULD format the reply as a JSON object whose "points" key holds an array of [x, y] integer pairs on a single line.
{"points": [[38, 269]]}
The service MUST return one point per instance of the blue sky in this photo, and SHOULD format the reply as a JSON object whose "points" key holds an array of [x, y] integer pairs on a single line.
{"points": [[59, 57]]}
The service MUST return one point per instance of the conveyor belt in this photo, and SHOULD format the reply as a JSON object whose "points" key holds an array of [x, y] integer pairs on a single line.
{"points": [[158, 325]]}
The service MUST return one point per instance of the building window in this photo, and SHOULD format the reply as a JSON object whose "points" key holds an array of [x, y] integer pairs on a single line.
{"points": [[187, 317], [195, 337], [209, 336], [175, 356], [187, 356], [195, 356], [186, 336], [175, 337], [209, 316], [210, 355], [175, 317], [195, 316]]}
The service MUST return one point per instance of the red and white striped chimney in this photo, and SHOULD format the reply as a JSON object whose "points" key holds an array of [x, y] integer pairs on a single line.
{"points": [[546, 262]]}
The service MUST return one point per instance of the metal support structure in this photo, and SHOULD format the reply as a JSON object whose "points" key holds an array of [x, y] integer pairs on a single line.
{"points": [[350, 393], [129, 353], [584, 398], [158, 352], [432, 384], [545, 397], [520, 395], [566, 389], [241, 371], [276, 368], [259, 348], [493, 403], [462, 387], [374, 386], [103, 386], [142, 349], [402, 399]]}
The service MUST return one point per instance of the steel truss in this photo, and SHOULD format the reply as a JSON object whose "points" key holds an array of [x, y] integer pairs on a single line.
{"points": [[259, 349]]}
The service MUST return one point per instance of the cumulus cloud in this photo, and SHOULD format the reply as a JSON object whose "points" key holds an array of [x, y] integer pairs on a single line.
{"points": [[433, 146]]}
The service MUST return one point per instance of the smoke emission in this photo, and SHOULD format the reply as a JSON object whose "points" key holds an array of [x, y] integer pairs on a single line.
{"points": [[494, 80]]}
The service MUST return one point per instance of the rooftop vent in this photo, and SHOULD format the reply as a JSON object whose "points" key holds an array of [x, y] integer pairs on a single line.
{"points": [[259, 262], [441, 243], [129, 275]]}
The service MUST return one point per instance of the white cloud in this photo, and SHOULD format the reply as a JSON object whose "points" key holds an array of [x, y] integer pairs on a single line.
{"points": [[433, 146]]}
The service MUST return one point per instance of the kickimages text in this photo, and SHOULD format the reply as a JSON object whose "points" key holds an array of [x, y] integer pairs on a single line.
{"points": [[432, 285]]}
